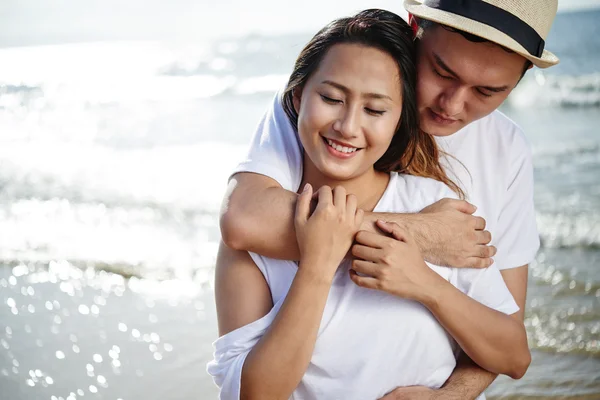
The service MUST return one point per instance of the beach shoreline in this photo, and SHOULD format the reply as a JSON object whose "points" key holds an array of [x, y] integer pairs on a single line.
{"points": [[66, 331]]}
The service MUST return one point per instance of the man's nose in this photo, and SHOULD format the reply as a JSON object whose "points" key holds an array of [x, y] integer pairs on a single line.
{"points": [[452, 101]]}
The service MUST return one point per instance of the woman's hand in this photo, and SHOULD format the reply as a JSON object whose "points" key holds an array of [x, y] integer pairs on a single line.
{"points": [[392, 264], [325, 237]]}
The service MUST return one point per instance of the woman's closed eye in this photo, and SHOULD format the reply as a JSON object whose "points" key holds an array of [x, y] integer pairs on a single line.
{"points": [[330, 100], [374, 112]]}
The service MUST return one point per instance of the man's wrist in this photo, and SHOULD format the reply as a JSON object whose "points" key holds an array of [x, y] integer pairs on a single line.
{"points": [[422, 235], [448, 393], [416, 226], [412, 222]]}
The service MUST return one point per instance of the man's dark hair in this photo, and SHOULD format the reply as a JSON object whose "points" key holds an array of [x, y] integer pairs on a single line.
{"points": [[425, 24]]}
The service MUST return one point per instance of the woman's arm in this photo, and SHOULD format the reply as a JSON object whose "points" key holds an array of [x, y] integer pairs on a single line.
{"points": [[258, 216], [276, 364], [242, 295], [494, 340]]}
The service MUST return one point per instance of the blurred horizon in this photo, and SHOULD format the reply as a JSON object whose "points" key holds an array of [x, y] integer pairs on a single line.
{"points": [[31, 23]]}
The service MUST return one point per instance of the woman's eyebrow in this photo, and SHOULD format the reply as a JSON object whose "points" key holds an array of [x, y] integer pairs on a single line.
{"points": [[344, 89]]}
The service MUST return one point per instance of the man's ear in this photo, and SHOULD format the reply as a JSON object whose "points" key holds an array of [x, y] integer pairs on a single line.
{"points": [[296, 98]]}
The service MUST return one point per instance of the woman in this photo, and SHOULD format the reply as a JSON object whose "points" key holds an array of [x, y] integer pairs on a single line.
{"points": [[315, 329]]}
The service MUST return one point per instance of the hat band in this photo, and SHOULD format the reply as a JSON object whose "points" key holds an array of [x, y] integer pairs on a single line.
{"points": [[495, 17]]}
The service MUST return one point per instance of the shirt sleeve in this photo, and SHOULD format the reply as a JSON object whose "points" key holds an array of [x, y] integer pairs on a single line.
{"points": [[231, 351], [487, 287], [517, 235], [275, 150]]}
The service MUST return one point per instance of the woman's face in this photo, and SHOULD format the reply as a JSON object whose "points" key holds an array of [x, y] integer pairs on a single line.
{"points": [[349, 109]]}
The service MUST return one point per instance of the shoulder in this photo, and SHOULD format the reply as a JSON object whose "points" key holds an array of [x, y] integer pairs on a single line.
{"points": [[503, 131]]}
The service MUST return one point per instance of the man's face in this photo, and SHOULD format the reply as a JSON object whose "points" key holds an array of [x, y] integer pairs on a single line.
{"points": [[460, 81]]}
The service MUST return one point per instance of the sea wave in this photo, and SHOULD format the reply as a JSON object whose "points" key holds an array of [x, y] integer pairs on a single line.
{"points": [[561, 315], [11, 89], [543, 90], [153, 71], [88, 74], [566, 282], [142, 241], [133, 90], [15, 96], [562, 230], [567, 150], [92, 173]]}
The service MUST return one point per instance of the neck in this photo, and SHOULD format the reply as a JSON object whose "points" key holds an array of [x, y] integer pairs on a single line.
{"points": [[367, 187]]}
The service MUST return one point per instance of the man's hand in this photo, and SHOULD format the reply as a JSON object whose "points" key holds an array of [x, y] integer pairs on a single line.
{"points": [[412, 393], [449, 235]]}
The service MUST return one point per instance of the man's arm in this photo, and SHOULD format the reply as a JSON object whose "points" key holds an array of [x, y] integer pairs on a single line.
{"points": [[475, 312], [447, 233], [257, 216], [469, 380], [479, 331]]}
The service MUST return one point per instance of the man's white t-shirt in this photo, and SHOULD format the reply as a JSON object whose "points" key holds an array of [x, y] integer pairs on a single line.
{"points": [[369, 342], [490, 159]]}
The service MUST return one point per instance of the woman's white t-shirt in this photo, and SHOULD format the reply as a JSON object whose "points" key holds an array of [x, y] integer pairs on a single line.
{"points": [[369, 342]]}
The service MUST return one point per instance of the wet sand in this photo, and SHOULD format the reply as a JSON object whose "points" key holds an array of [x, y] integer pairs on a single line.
{"points": [[70, 333], [99, 336]]}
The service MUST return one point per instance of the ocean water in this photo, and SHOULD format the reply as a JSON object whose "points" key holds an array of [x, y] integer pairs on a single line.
{"points": [[113, 160]]}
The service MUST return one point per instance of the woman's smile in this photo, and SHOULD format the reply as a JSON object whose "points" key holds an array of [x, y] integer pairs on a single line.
{"points": [[339, 149], [351, 106]]}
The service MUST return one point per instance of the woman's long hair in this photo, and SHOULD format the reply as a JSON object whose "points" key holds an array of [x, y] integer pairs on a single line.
{"points": [[411, 150]]}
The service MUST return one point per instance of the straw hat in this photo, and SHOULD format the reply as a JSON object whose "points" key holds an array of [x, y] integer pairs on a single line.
{"points": [[519, 25]]}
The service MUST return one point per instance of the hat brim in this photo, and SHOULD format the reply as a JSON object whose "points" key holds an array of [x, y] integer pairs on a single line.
{"points": [[476, 28]]}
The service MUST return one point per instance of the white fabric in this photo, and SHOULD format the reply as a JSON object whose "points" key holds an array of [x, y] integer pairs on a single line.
{"points": [[275, 150], [369, 342], [491, 160], [492, 163]]}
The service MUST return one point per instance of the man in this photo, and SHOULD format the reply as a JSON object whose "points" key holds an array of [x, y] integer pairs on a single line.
{"points": [[471, 54]]}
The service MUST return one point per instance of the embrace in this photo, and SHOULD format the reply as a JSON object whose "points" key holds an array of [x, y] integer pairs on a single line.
{"points": [[376, 240]]}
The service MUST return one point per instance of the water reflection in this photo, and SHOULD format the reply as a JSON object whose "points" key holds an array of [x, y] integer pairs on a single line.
{"points": [[92, 325]]}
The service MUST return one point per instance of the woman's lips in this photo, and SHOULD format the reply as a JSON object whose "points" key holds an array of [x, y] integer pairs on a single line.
{"points": [[339, 151]]}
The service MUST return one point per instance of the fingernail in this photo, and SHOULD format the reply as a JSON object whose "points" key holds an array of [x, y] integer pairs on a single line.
{"points": [[381, 221], [306, 187]]}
